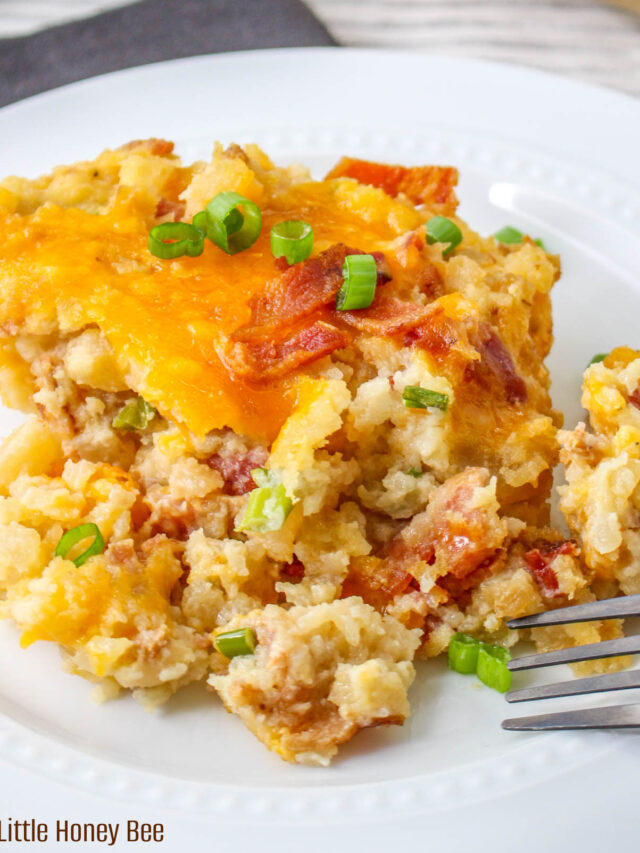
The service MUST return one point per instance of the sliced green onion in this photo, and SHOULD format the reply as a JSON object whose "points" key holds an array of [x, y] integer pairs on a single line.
{"points": [[415, 472], [443, 230], [598, 358], [293, 240], [234, 643], [233, 222], [269, 504], [463, 653], [510, 236], [137, 414], [199, 221], [415, 397], [77, 534], [173, 239], [468, 655], [360, 275], [492, 667]]}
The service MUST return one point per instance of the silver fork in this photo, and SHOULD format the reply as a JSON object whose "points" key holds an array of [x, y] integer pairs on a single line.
{"points": [[609, 717]]}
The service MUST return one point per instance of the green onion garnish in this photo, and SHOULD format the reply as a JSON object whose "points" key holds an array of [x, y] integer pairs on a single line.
{"points": [[173, 239], [360, 275], [463, 653], [199, 221], [415, 472], [269, 504], [492, 667], [443, 230], [510, 236], [232, 222], [137, 414], [415, 397], [468, 656], [77, 534], [292, 239], [598, 358], [234, 643]]}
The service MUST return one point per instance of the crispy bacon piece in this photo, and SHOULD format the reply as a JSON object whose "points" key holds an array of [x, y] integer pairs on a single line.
{"points": [[430, 185], [292, 572], [460, 589], [236, 469], [376, 581], [496, 358], [257, 360], [446, 340], [424, 326], [291, 323], [634, 398], [539, 561], [166, 207], [452, 528], [464, 542], [387, 316], [302, 290]]}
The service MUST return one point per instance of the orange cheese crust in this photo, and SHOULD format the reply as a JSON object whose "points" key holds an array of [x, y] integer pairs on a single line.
{"points": [[67, 268]]}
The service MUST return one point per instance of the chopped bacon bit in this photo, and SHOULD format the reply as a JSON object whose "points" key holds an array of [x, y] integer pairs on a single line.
{"points": [[496, 357], [159, 147], [293, 572], [282, 264], [539, 561], [460, 589], [431, 622], [236, 469], [377, 581], [140, 512], [302, 290], [438, 334], [176, 519], [634, 398], [430, 281], [299, 292], [387, 316], [462, 538], [235, 151], [430, 185], [166, 207], [270, 359], [290, 319]]}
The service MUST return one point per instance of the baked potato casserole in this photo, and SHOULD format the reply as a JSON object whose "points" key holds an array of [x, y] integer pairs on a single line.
{"points": [[288, 494]]}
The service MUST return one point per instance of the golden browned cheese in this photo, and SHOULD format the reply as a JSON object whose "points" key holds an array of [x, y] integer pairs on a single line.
{"points": [[63, 267]]}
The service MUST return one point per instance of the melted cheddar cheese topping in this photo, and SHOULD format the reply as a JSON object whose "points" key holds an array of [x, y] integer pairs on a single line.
{"points": [[65, 268]]}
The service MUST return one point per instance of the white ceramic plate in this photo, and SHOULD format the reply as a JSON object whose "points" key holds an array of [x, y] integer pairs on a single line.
{"points": [[552, 157]]}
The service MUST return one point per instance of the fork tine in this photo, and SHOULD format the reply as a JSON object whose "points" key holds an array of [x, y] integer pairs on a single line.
{"points": [[591, 651], [579, 686], [610, 608], [609, 717]]}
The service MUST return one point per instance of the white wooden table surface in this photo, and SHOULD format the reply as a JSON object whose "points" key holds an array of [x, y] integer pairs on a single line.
{"points": [[588, 39]]}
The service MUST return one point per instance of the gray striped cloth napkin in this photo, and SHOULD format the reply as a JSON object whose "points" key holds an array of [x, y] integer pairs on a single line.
{"points": [[586, 39], [142, 32]]}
